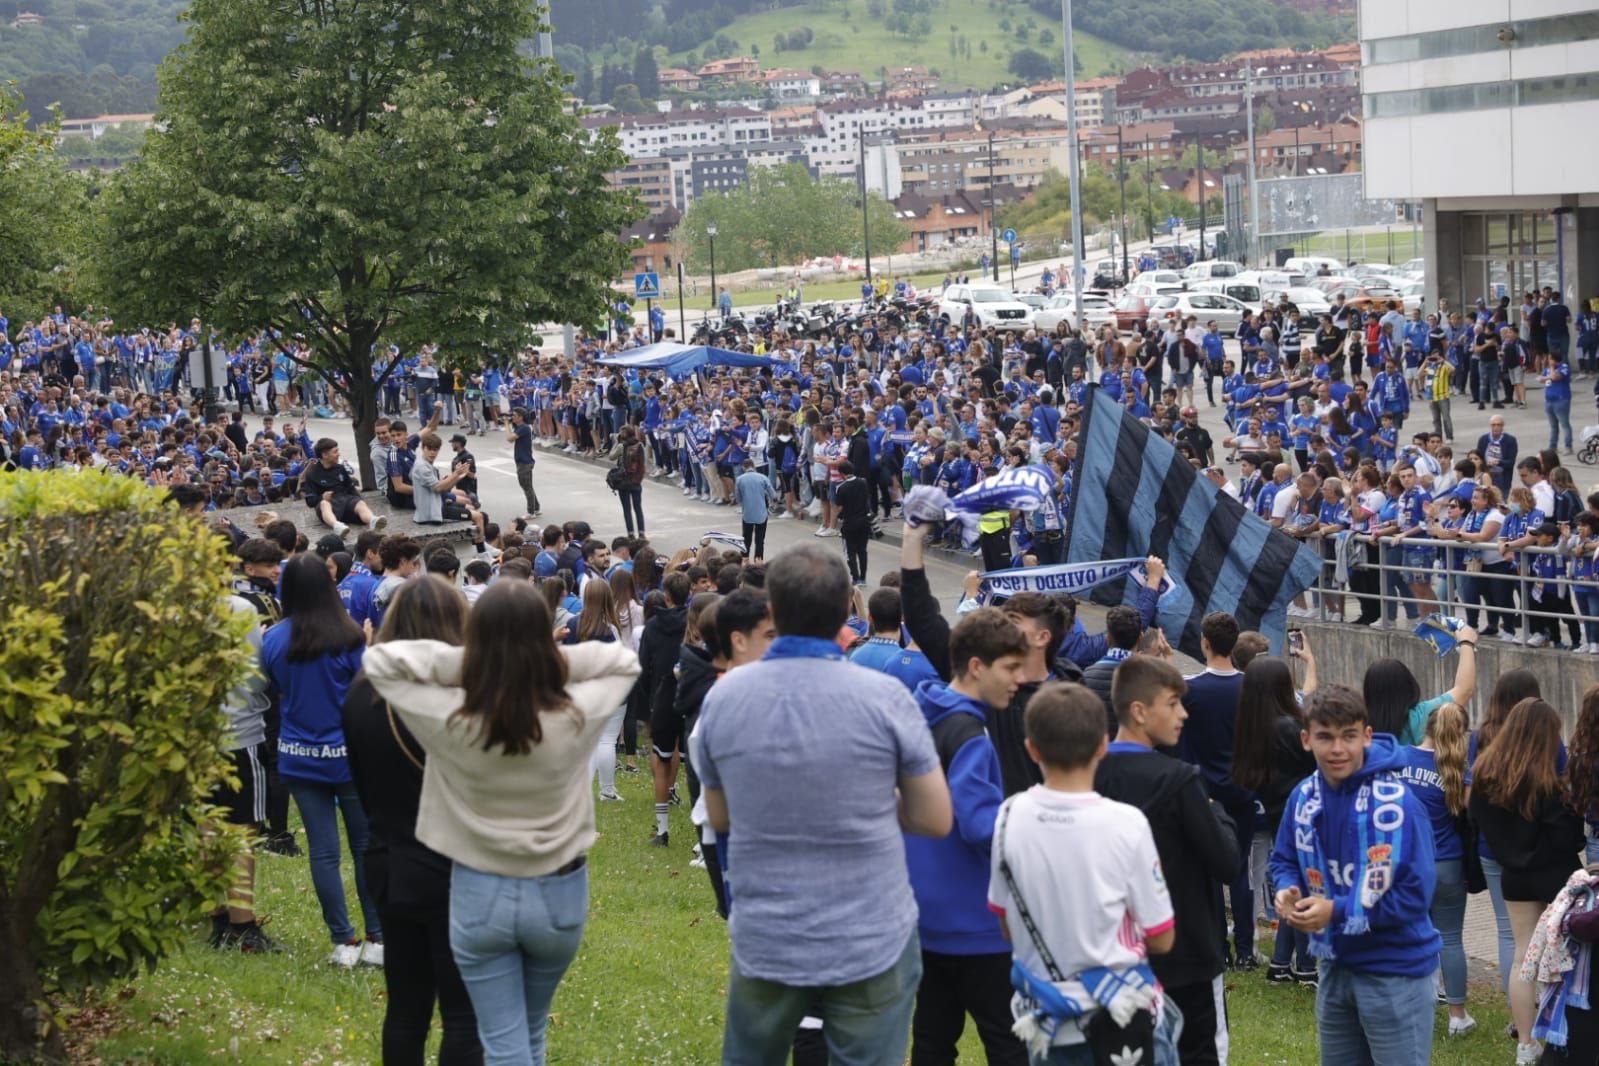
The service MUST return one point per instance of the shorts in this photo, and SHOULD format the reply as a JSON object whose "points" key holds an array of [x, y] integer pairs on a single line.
{"points": [[1559, 345], [1182, 379], [666, 731], [344, 508], [1515, 375], [493, 399], [1418, 565], [247, 804], [724, 469], [456, 512], [787, 482]]}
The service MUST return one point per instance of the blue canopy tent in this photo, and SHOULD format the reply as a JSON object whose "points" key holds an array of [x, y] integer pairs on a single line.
{"points": [[682, 360]]}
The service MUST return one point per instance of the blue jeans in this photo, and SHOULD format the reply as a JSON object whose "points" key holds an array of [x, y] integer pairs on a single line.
{"points": [[1167, 1033], [513, 938], [320, 805], [1491, 871], [1449, 917], [1588, 605], [868, 1021], [1559, 414], [1367, 1019]]}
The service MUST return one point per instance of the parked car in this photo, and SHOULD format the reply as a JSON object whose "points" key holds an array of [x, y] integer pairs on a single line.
{"points": [[1108, 274], [1414, 293], [1311, 301], [1416, 268], [1097, 312], [1210, 269], [1225, 311], [1149, 280], [1246, 292], [1311, 265], [1370, 294], [1376, 270], [1273, 279], [1035, 300], [1134, 309], [994, 306]]}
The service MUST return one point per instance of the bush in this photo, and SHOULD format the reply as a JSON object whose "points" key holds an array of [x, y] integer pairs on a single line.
{"points": [[116, 650]]}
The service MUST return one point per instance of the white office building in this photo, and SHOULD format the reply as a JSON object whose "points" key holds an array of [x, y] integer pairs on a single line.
{"points": [[1485, 111]]}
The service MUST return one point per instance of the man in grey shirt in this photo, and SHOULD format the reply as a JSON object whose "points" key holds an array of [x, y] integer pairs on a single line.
{"points": [[437, 498], [822, 908]]}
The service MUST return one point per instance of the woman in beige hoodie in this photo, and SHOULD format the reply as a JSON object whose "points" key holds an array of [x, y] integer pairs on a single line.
{"points": [[509, 722]]}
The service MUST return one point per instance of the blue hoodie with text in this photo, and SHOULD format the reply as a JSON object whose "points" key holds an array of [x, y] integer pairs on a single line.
{"points": [[1402, 940], [949, 875]]}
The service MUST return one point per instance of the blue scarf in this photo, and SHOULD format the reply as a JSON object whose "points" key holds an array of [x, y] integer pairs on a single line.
{"points": [[1019, 488], [1379, 854]]}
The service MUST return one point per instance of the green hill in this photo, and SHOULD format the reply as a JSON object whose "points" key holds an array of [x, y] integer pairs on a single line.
{"points": [[91, 57], [968, 42]]}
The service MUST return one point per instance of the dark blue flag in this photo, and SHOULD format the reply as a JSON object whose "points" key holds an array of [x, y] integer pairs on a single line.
{"points": [[1134, 495]]}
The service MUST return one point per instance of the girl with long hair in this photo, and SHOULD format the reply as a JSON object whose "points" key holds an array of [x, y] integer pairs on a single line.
{"points": [[1270, 760], [311, 657], [1520, 800], [1512, 687], [1435, 771], [1583, 770], [1393, 695], [410, 881], [509, 723], [598, 621]]}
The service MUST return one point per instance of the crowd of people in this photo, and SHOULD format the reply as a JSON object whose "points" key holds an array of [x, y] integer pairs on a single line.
{"points": [[462, 718]]}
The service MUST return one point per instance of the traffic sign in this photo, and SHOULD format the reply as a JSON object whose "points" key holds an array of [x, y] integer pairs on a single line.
{"points": [[1008, 236], [647, 286]]}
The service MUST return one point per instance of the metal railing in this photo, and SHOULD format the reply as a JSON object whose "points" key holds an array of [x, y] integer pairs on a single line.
{"points": [[1499, 598]]}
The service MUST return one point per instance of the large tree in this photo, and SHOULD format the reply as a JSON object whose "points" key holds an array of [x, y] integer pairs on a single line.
{"points": [[365, 174], [42, 208]]}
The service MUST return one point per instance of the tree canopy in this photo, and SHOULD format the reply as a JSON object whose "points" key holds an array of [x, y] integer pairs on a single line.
{"points": [[783, 215], [42, 210], [365, 174]]}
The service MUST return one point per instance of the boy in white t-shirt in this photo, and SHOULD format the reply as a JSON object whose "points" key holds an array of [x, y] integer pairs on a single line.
{"points": [[1079, 891]]}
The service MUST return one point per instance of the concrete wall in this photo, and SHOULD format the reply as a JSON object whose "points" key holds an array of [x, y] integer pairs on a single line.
{"points": [[1342, 652]]}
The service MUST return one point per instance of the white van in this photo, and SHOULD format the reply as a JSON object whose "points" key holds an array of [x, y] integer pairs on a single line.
{"points": [[1310, 265], [1210, 269], [1245, 292]]}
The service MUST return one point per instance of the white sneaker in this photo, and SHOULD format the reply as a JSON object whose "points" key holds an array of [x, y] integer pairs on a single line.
{"points": [[821, 531], [1528, 1054], [1537, 640], [697, 862], [1508, 637], [688, 492], [380, 522], [345, 956], [340, 529], [610, 797], [1461, 1026], [831, 533], [372, 954]]}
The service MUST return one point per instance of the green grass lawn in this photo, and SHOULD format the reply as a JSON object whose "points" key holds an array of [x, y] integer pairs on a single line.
{"points": [[846, 38], [647, 986]]}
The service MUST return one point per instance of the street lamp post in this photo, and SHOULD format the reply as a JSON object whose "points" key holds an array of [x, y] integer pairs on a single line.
{"points": [[1296, 150], [1121, 180], [1199, 173], [866, 217], [1076, 173], [1254, 202], [993, 209], [710, 231]]}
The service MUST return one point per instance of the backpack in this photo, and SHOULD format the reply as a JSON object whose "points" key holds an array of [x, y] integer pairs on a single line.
{"points": [[616, 395], [616, 478]]}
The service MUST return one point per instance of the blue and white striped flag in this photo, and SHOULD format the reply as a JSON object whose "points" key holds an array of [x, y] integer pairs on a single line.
{"points": [[1134, 495]]}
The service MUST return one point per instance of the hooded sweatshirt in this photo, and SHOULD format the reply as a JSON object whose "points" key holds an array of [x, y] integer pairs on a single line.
{"points": [[949, 875], [511, 815], [657, 653], [1198, 850], [1401, 940], [695, 676]]}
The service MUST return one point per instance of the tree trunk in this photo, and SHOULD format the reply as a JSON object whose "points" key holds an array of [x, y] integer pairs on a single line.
{"points": [[363, 397], [20, 995]]}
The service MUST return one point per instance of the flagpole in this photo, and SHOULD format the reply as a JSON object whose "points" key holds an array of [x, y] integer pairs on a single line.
{"points": [[1075, 169]]}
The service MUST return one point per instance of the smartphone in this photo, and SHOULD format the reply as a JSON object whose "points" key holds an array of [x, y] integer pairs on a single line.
{"points": [[1296, 640]]}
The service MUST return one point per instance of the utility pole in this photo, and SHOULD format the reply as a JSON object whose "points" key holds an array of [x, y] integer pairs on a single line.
{"points": [[1199, 174], [1076, 174], [1121, 180], [1254, 200], [866, 218], [993, 208], [710, 231]]}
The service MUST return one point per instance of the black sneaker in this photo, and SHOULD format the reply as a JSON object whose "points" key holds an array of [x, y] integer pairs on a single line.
{"points": [[1246, 963], [219, 930], [249, 938], [623, 768], [659, 840], [283, 844], [673, 798], [1279, 975], [1307, 978]]}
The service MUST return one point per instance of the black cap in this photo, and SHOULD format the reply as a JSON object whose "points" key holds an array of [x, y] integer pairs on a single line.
{"points": [[458, 438]]}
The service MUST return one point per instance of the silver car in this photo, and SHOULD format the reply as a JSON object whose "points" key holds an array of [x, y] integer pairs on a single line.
{"points": [[1225, 311]]}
